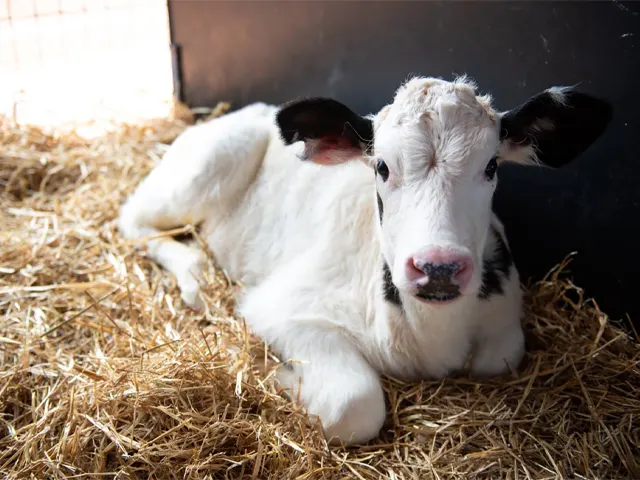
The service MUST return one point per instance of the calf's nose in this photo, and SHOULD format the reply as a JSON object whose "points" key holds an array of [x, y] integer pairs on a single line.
{"points": [[440, 271]]}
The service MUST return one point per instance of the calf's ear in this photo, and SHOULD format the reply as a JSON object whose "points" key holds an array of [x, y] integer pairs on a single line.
{"points": [[331, 131], [557, 124]]}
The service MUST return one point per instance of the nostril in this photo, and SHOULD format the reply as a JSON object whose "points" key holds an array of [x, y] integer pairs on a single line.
{"points": [[416, 269], [419, 265], [460, 272], [463, 275]]}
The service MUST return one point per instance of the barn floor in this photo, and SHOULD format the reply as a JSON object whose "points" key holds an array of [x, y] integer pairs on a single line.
{"points": [[105, 374]]}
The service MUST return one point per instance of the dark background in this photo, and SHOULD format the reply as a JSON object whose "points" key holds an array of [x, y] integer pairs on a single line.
{"points": [[359, 52]]}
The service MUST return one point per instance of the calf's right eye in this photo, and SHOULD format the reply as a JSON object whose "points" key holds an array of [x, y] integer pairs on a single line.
{"points": [[382, 170]]}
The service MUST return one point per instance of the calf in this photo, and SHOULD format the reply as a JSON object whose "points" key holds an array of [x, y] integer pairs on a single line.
{"points": [[390, 261]]}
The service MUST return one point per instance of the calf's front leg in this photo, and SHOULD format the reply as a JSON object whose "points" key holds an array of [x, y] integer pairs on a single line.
{"points": [[326, 371]]}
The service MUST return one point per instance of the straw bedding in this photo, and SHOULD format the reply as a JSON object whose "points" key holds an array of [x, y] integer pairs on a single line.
{"points": [[105, 374]]}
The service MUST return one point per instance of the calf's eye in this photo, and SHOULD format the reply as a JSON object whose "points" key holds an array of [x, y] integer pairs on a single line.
{"points": [[382, 170], [490, 170]]}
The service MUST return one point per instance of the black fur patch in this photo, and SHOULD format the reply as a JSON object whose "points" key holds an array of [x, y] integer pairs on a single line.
{"points": [[391, 293], [495, 268], [380, 207]]}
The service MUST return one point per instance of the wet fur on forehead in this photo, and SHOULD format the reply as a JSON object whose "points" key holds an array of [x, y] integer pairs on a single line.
{"points": [[437, 121]]}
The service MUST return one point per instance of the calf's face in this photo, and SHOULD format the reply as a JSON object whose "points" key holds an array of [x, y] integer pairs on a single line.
{"points": [[434, 152]]}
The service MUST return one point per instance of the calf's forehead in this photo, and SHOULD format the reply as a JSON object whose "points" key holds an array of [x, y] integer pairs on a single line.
{"points": [[432, 120], [450, 101]]}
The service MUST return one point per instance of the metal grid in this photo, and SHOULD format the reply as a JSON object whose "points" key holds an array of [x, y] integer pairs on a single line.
{"points": [[69, 61]]}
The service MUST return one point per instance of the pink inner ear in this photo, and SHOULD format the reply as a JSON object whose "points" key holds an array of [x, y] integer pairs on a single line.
{"points": [[332, 151]]}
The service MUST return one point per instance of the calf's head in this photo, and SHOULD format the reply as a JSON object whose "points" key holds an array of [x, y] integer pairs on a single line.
{"points": [[434, 152]]}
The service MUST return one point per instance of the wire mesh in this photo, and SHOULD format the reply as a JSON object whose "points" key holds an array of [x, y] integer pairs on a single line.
{"points": [[65, 61]]}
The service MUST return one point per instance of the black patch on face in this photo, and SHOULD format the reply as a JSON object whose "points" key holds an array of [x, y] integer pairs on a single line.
{"points": [[495, 268], [380, 207], [391, 293]]}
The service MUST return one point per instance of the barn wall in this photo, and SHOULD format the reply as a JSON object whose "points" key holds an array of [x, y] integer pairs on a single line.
{"points": [[359, 52]]}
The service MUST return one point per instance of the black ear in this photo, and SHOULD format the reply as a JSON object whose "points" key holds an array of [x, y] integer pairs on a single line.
{"points": [[559, 123], [331, 131]]}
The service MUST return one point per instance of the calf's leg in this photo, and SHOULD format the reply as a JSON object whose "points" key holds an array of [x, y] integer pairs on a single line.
{"points": [[204, 172], [325, 370], [328, 375]]}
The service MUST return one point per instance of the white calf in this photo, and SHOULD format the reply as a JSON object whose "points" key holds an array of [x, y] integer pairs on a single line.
{"points": [[404, 272]]}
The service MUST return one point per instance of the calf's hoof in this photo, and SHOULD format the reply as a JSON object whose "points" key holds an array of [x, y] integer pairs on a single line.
{"points": [[354, 420]]}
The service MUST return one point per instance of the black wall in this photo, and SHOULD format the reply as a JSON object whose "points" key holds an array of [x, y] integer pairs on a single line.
{"points": [[359, 52]]}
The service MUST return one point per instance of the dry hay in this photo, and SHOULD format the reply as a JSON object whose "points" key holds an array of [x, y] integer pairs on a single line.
{"points": [[104, 372]]}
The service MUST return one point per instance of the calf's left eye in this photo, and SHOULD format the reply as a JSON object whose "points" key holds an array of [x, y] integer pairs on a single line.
{"points": [[490, 170], [382, 170]]}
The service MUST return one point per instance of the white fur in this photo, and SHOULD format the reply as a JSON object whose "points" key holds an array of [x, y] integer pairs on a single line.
{"points": [[306, 242]]}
